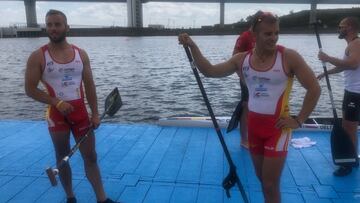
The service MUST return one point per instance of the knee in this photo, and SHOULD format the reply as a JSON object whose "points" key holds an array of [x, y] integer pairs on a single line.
{"points": [[90, 158], [269, 187], [61, 155]]}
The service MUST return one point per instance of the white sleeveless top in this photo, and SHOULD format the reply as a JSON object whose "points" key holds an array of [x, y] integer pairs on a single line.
{"points": [[268, 89], [63, 80], [352, 79]]}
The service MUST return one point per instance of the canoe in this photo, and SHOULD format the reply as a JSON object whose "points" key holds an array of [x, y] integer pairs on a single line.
{"points": [[312, 124]]}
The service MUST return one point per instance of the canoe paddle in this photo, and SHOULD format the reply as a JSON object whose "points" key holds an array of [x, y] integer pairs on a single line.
{"points": [[235, 117], [342, 148], [112, 104], [232, 178]]}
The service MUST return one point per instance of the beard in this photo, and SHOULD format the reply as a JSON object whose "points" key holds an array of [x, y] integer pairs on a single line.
{"points": [[342, 35], [58, 39]]}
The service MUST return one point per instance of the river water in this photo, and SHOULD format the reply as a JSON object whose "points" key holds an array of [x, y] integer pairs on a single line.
{"points": [[154, 76]]}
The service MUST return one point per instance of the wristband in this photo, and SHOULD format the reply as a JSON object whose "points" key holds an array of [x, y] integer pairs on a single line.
{"points": [[59, 103]]}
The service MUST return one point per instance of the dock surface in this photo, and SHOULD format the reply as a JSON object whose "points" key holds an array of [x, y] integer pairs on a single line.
{"points": [[155, 164]]}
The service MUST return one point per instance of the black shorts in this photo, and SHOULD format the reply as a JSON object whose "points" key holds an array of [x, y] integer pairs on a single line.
{"points": [[244, 92], [351, 106]]}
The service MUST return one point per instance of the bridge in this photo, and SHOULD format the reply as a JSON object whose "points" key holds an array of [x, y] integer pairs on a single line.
{"points": [[134, 7]]}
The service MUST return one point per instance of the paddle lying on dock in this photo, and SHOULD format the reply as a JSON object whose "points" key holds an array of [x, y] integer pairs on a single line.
{"points": [[112, 104], [342, 148], [232, 178]]}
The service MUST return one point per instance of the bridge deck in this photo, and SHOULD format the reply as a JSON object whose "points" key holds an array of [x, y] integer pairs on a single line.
{"points": [[218, 1]]}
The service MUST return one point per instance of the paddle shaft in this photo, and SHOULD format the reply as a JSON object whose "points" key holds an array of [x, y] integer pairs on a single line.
{"points": [[326, 73], [215, 123], [112, 104], [77, 145], [207, 103]]}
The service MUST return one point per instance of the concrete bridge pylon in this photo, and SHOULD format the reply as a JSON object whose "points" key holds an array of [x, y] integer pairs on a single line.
{"points": [[134, 12], [30, 10], [222, 13]]}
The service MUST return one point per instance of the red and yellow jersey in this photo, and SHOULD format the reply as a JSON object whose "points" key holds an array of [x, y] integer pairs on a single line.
{"points": [[269, 89], [63, 80]]}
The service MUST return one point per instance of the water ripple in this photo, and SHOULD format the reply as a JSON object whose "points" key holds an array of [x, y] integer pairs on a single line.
{"points": [[154, 76]]}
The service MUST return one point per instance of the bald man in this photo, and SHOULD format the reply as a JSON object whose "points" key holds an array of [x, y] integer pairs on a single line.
{"points": [[350, 65]]}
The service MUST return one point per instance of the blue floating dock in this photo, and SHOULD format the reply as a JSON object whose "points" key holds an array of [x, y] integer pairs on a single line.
{"points": [[155, 164]]}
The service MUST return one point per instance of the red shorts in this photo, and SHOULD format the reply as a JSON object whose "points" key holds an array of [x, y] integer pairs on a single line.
{"points": [[77, 121], [264, 138]]}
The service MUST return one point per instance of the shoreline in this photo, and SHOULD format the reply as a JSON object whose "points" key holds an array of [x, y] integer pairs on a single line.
{"points": [[141, 32], [293, 23]]}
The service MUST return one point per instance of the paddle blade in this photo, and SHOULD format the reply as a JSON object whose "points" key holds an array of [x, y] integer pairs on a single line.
{"points": [[235, 118], [229, 181], [51, 173], [342, 148], [113, 102]]}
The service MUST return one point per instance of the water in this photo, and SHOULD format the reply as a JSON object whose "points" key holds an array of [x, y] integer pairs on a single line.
{"points": [[154, 76]]}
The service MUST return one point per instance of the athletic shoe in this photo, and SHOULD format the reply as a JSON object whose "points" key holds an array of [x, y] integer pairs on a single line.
{"points": [[343, 171], [71, 200], [108, 201]]}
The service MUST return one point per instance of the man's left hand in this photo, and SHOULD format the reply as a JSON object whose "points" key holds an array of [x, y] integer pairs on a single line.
{"points": [[95, 120], [287, 122]]}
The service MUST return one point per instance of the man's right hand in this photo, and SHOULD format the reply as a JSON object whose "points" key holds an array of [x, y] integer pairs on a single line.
{"points": [[323, 57], [64, 108], [320, 76], [186, 40]]}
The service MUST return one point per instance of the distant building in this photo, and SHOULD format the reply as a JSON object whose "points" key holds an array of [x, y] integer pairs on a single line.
{"points": [[7, 32], [156, 26], [207, 27]]}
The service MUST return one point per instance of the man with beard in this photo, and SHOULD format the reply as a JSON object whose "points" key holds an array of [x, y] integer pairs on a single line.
{"points": [[350, 65], [268, 71], [64, 69]]}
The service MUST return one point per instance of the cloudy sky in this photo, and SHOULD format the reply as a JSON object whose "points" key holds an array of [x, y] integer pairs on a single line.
{"points": [[169, 14]]}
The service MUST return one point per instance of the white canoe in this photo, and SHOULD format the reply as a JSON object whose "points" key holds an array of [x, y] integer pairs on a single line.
{"points": [[315, 123]]}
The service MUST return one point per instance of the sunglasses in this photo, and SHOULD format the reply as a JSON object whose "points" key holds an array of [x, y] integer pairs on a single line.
{"points": [[268, 16]]}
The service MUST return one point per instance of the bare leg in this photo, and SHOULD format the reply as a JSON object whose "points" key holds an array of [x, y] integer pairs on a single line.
{"points": [[268, 170], [258, 165], [61, 142], [271, 173], [243, 126], [88, 152], [351, 128]]}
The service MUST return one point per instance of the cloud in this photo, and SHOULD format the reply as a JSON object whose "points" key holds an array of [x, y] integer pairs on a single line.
{"points": [[168, 14], [12, 13], [101, 14], [180, 14], [235, 12]]}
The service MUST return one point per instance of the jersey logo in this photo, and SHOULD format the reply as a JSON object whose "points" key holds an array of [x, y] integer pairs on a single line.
{"points": [[351, 105], [276, 70], [67, 78], [50, 63]]}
